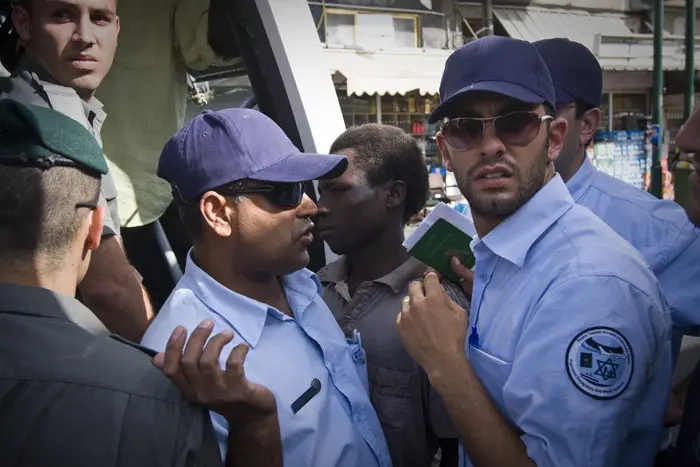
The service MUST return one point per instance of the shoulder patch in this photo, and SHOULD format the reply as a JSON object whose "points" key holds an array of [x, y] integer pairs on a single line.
{"points": [[600, 362]]}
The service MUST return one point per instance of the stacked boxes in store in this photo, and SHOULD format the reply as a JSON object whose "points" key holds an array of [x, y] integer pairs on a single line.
{"points": [[622, 154]]}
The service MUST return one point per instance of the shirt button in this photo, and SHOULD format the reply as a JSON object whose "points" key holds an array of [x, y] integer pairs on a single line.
{"points": [[484, 277]]}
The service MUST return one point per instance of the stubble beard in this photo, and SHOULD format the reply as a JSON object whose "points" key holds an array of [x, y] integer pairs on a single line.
{"points": [[502, 205]]}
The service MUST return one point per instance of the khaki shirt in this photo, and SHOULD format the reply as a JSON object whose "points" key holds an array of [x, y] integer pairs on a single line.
{"points": [[31, 84], [73, 396], [146, 95], [412, 414]]}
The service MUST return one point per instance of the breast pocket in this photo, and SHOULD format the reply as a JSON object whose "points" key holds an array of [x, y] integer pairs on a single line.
{"points": [[391, 393], [492, 372]]}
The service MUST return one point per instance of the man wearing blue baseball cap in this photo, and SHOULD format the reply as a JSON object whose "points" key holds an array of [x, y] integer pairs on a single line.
{"points": [[658, 229], [568, 334], [238, 183]]}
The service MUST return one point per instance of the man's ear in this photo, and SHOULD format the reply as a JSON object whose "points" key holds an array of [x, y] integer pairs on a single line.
{"points": [[396, 194], [20, 20], [442, 146], [216, 213], [557, 136], [589, 125], [97, 220]]}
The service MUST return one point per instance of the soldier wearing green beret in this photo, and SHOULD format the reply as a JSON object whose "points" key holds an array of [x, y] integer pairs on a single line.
{"points": [[72, 394], [58, 53]]}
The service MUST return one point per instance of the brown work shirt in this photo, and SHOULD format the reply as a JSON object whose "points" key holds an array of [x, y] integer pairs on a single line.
{"points": [[412, 414]]}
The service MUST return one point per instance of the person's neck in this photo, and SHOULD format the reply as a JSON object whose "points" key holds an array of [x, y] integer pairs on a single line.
{"points": [[264, 288], [570, 170], [60, 281], [378, 258]]}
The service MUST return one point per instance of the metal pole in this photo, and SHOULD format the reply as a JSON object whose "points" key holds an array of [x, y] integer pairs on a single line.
{"points": [[689, 58], [657, 99], [488, 16]]}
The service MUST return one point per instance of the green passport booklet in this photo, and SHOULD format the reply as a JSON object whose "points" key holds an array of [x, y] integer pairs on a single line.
{"points": [[443, 234]]}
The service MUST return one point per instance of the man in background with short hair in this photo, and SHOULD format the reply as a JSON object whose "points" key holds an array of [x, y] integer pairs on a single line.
{"points": [[66, 49]]}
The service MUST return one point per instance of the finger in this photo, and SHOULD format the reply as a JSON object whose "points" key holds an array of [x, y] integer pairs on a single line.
{"points": [[432, 285], [416, 291], [466, 275], [460, 269], [173, 351], [193, 352], [209, 361], [170, 361], [431, 270], [406, 304], [234, 364]]}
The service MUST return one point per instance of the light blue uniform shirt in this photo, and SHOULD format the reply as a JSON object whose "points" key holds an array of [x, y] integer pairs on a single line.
{"points": [[658, 229], [338, 426], [574, 330]]}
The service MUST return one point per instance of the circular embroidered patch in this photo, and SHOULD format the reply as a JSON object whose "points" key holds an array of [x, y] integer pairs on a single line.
{"points": [[600, 362]]}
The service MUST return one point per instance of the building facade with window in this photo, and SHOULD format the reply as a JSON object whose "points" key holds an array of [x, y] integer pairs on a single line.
{"points": [[386, 58]]}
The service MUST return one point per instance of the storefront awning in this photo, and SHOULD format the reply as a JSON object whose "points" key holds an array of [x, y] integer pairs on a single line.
{"points": [[388, 72], [605, 34]]}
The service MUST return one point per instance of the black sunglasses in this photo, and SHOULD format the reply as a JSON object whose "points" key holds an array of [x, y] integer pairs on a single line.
{"points": [[284, 195], [513, 129]]}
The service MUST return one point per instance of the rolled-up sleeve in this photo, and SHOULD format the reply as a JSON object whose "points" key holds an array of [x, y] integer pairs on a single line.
{"points": [[594, 348], [192, 35]]}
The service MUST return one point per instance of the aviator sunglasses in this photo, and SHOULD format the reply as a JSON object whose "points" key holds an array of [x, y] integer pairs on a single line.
{"points": [[513, 129], [284, 195]]}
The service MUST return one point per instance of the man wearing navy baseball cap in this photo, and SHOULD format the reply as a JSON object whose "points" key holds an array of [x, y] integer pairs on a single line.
{"points": [[238, 182], [659, 229], [568, 330]]}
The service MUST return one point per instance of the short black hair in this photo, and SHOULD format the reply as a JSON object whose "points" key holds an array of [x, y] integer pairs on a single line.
{"points": [[39, 215], [386, 153]]}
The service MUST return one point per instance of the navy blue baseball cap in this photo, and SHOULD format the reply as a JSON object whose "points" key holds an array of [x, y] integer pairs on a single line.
{"points": [[575, 71], [502, 65], [218, 147]]}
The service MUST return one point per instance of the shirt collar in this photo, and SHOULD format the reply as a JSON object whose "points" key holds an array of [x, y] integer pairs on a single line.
{"points": [[246, 315], [396, 280], [582, 179], [40, 302], [514, 237], [33, 68]]}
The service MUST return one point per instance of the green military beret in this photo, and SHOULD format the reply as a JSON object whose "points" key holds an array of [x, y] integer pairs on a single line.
{"points": [[39, 136]]}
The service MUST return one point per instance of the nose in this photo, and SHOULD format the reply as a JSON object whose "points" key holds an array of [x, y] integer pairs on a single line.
{"points": [[307, 208], [84, 30], [491, 145]]}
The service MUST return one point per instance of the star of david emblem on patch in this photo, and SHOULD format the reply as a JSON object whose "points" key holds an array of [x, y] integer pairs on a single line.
{"points": [[600, 362], [607, 369]]}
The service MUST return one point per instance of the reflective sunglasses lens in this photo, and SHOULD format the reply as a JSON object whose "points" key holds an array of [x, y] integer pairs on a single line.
{"points": [[463, 133], [518, 128], [289, 195]]}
